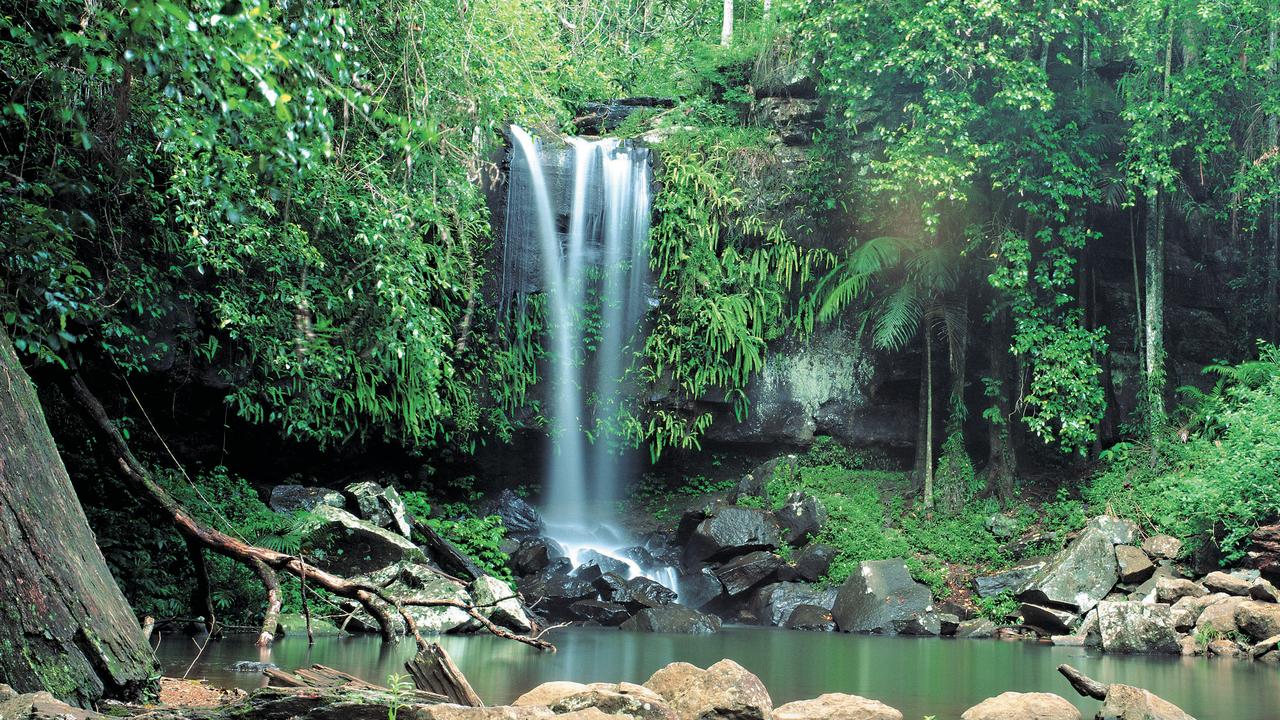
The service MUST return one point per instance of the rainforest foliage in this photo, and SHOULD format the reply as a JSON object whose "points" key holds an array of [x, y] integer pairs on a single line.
{"points": [[285, 204]]}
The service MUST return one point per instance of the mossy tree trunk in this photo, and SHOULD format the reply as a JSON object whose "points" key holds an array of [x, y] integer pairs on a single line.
{"points": [[66, 627]]}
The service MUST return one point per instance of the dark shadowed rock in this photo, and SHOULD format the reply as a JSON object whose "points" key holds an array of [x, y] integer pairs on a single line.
{"points": [[813, 562], [810, 617], [724, 691], [596, 564], [743, 573], [1134, 565], [1264, 590], [699, 588], [773, 604], [534, 554], [879, 595], [1079, 576], [836, 706], [1023, 706], [673, 619], [928, 623], [1052, 620], [295, 498], [601, 611], [801, 516], [646, 592], [519, 517], [1013, 580], [612, 587], [731, 531], [1135, 627]]}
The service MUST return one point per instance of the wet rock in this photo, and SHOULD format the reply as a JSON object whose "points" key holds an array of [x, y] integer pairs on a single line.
{"points": [[810, 617], [1118, 530], [743, 573], [928, 623], [1220, 617], [801, 516], [813, 562], [416, 582], [773, 604], [645, 592], [699, 588], [673, 619], [1258, 620], [1264, 591], [731, 531], [1219, 581], [1225, 648], [879, 595], [950, 624], [251, 666], [1162, 547], [1134, 565], [380, 505], [598, 118], [596, 564], [1186, 611], [296, 498], [793, 119], [1080, 575], [1125, 702], [1053, 620], [1023, 706], [1134, 627], [604, 612], [519, 517], [495, 600], [1170, 590], [612, 588], [1265, 646], [976, 628], [1013, 580], [534, 554], [836, 706], [724, 691], [351, 546]]}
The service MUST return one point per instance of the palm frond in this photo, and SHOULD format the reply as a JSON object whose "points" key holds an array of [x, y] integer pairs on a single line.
{"points": [[898, 319]]}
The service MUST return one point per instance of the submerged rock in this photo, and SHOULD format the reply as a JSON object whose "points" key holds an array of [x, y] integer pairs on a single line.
{"points": [[836, 706], [878, 596], [673, 619], [724, 691], [1023, 706]]}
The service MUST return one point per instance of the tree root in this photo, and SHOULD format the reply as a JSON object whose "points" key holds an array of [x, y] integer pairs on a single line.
{"points": [[267, 563]]}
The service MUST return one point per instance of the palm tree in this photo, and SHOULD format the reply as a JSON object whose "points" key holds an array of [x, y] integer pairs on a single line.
{"points": [[920, 280]]}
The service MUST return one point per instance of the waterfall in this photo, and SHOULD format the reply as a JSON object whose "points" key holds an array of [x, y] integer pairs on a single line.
{"points": [[591, 207]]}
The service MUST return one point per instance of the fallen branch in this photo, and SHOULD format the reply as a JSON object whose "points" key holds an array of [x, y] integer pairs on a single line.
{"points": [[1083, 684], [264, 561]]}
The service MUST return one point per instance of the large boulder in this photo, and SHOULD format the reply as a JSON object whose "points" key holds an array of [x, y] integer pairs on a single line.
{"points": [[1170, 590], [1258, 620], [1219, 618], [496, 601], [1053, 620], [773, 604], [1014, 580], [615, 700], [1023, 706], [699, 588], [1218, 581], [812, 618], [801, 516], [836, 706], [1134, 565], [1135, 627], [289, 499], [603, 612], [415, 583], [1118, 530], [642, 592], [518, 516], [534, 554], [1125, 702], [1162, 547], [1186, 611], [743, 573], [380, 505], [878, 597], [673, 619], [1079, 576], [346, 545], [731, 531], [724, 691], [812, 562]]}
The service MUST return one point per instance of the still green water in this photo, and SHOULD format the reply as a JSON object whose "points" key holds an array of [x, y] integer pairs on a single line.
{"points": [[919, 676]]}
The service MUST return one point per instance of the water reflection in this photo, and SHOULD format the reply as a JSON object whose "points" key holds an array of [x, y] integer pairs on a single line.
{"points": [[919, 676]]}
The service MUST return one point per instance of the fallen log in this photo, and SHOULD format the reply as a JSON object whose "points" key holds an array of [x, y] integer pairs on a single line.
{"points": [[1083, 684], [433, 670], [321, 677]]}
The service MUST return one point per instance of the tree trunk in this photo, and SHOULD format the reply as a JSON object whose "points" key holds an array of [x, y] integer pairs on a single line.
{"points": [[928, 420], [67, 628], [726, 25], [1271, 299], [1001, 466], [1153, 324]]}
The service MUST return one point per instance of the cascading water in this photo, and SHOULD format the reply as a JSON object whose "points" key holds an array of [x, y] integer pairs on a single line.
{"points": [[592, 258]]}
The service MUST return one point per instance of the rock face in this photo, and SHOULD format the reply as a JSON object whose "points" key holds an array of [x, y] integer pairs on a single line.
{"points": [[731, 531], [673, 619], [1258, 620], [1079, 576], [879, 598], [294, 498], [1219, 617], [1134, 627], [1170, 590], [1125, 702], [498, 602], [1118, 530], [1013, 580], [411, 581], [1162, 547], [1219, 581], [724, 691], [699, 588], [381, 506], [621, 699], [517, 514], [773, 604], [1134, 565], [801, 516], [836, 706], [1023, 706], [813, 562], [353, 546], [743, 573]]}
